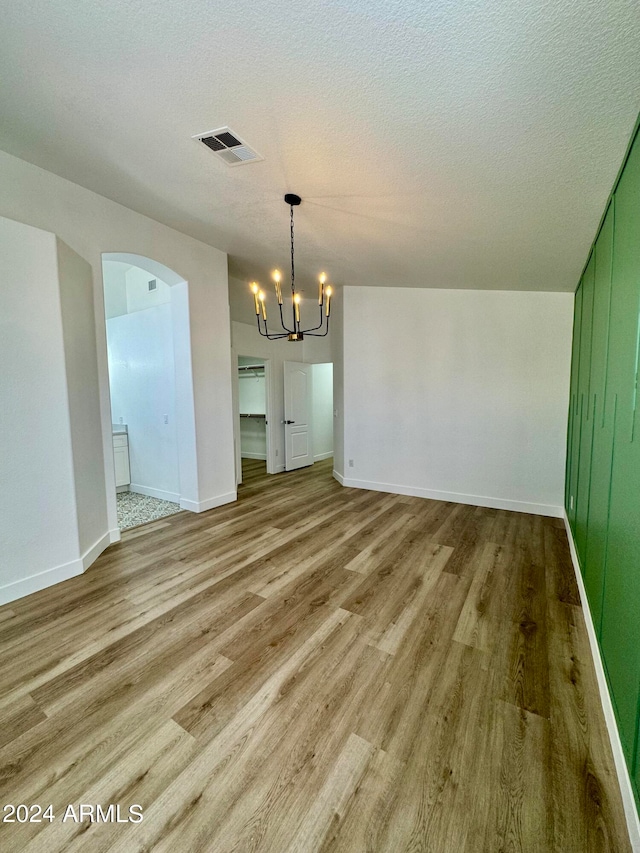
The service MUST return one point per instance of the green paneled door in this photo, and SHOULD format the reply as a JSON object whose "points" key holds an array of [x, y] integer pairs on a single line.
{"points": [[574, 413], [601, 423], [620, 633], [586, 415]]}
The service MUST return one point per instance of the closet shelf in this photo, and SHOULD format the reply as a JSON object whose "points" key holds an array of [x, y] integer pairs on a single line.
{"points": [[248, 415]]}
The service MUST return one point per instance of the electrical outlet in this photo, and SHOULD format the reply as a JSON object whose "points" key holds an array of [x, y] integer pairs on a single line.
{"points": [[121, 420], [276, 451], [166, 419], [351, 463]]}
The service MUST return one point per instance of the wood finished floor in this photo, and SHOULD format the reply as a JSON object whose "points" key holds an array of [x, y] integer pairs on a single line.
{"points": [[312, 668]]}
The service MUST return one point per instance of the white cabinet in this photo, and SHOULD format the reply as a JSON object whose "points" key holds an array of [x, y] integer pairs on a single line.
{"points": [[121, 459]]}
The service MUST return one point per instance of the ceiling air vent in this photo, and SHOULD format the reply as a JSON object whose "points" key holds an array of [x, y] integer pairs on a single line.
{"points": [[228, 146]]}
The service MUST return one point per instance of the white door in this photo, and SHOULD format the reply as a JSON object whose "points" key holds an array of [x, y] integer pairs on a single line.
{"points": [[298, 442]]}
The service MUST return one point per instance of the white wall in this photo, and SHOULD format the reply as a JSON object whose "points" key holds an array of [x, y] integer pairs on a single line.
{"points": [[51, 524], [81, 366], [91, 225], [253, 392], [337, 319], [253, 438], [457, 394], [139, 297], [115, 288], [142, 378], [322, 411]]}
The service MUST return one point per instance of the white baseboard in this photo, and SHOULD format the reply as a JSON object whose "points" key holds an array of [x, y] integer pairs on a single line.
{"points": [[254, 455], [338, 477], [174, 497], [49, 577], [626, 789], [212, 503], [94, 552], [114, 535], [321, 456], [454, 497], [41, 580]]}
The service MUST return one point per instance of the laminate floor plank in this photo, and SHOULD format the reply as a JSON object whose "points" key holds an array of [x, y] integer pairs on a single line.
{"points": [[312, 668], [482, 614], [78, 747], [582, 771]]}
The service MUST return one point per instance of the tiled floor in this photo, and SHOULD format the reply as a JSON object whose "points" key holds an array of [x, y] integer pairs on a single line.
{"points": [[135, 509]]}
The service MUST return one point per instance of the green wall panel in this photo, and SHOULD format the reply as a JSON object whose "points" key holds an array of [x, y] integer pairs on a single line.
{"points": [[603, 448], [573, 393], [620, 632], [574, 411], [601, 423], [586, 414]]}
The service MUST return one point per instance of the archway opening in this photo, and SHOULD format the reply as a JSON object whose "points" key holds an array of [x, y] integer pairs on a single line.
{"points": [[148, 354]]}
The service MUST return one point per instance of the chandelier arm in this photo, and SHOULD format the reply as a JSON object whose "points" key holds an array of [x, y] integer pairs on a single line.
{"points": [[271, 337], [282, 323], [313, 328], [319, 334]]}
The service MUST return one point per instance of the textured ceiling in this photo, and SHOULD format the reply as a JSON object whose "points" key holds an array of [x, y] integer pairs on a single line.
{"points": [[435, 144]]}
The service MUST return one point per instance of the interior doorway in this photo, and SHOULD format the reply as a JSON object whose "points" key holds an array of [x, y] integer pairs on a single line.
{"points": [[253, 410], [147, 336]]}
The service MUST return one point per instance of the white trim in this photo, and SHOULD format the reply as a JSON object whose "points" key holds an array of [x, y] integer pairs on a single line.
{"points": [[42, 580], [321, 456], [203, 506], [114, 535], [278, 469], [253, 455], [455, 497], [94, 552], [49, 577], [174, 497], [628, 800], [338, 477]]}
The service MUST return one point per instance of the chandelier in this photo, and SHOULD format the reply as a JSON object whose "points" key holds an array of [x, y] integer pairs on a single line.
{"points": [[295, 333]]}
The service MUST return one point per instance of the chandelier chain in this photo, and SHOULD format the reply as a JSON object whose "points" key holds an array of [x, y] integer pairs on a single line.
{"points": [[293, 288]]}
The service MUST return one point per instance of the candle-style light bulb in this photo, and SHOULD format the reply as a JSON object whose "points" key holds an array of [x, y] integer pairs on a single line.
{"points": [[254, 289], [329, 291], [321, 279], [296, 303], [276, 281], [261, 297]]}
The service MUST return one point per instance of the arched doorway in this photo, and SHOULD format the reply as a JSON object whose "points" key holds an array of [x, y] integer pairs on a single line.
{"points": [[150, 386]]}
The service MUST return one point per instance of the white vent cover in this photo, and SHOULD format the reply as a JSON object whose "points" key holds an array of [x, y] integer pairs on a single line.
{"points": [[228, 146], [153, 284]]}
